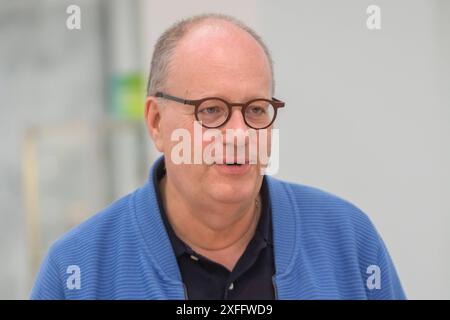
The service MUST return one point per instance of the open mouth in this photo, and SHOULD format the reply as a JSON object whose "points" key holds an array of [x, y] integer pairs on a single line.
{"points": [[233, 168]]}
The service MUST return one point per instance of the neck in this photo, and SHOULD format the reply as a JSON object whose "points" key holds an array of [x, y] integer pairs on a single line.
{"points": [[212, 230]]}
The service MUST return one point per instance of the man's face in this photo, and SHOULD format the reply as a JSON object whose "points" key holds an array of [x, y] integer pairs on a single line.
{"points": [[214, 61]]}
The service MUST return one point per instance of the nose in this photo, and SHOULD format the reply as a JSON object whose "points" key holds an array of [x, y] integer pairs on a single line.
{"points": [[236, 120], [237, 138]]}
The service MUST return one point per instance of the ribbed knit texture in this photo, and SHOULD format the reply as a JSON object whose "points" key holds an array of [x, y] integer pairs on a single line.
{"points": [[323, 246]]}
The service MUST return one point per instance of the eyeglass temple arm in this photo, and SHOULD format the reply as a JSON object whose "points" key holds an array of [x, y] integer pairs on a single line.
{"points": [[169, 97], [280, 104]]}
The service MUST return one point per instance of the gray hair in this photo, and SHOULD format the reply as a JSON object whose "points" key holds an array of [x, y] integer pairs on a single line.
{"points": [[167, 42]]}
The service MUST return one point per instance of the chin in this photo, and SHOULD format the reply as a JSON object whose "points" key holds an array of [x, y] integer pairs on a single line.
{"points": [[232, 190]]}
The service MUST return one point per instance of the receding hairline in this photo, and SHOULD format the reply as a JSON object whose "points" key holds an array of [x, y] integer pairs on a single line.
{"points": [[221, 24], [168, 42]]}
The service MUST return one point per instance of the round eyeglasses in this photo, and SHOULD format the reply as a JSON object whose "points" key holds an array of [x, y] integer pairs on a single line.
{"points": [[214, 112]]}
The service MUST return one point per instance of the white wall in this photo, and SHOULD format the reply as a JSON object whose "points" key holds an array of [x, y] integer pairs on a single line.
{"points": [[367, 114]]}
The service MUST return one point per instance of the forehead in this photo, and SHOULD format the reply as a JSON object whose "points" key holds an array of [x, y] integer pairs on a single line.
{"points": [[222, 58]]}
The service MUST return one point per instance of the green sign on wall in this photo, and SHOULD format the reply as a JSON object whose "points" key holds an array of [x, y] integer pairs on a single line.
{"points": [[128, 96]]}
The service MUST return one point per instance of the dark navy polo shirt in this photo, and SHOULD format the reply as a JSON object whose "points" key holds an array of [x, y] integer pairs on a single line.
{"points": [[205, 279]]}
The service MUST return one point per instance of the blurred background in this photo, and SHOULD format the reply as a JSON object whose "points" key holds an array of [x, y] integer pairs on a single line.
{"points": [[367, 117]]}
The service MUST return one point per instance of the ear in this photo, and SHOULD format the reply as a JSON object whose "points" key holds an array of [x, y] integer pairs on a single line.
{"points": [[153, 121]]}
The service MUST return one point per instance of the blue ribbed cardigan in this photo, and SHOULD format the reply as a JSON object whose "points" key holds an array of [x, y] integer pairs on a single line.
{"points": [[324, 248]]}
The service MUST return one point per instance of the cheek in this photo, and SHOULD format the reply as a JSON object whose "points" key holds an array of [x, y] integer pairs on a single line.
{"points": [[174, 129], [264, 140]]}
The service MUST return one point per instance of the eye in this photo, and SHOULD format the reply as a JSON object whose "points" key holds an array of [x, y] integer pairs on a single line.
{"points": [[257, 110], [211, 110]]}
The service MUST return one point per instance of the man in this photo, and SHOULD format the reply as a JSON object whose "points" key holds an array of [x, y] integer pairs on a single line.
{"points": [[216, 230]]}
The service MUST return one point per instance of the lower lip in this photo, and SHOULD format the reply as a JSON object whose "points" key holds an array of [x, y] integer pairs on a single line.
{"points": [[233, 169]]}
